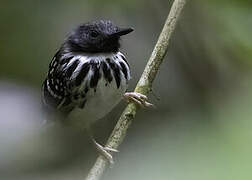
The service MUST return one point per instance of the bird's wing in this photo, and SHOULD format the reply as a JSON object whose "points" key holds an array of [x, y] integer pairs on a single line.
{"points": [[56, 89]]}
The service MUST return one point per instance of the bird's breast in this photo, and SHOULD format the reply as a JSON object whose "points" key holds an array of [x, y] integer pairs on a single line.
{"points": [[99, 102], [98, 84]]}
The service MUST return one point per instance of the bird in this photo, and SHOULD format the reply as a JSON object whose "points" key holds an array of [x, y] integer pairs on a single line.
{"points": [[88, 76]]}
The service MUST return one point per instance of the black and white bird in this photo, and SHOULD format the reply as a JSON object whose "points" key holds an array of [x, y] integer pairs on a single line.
{"points": [[88, 76]]}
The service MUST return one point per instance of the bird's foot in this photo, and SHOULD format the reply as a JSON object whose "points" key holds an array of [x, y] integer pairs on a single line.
{"points": [[105, 151], [138, 98]]}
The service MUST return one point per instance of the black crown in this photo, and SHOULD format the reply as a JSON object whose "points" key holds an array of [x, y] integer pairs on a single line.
{"points": [[95, 37]]}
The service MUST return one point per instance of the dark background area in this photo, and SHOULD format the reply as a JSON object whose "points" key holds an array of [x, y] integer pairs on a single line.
{"points": [[201, 128]]}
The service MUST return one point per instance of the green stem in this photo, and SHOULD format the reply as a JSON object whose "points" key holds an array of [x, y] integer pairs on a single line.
{"points": [[144, 86]]}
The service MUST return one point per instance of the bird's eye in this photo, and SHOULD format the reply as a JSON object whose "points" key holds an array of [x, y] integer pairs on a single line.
{"points": [[94, 34]]}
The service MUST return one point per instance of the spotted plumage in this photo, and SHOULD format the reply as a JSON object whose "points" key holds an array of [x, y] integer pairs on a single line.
{"points": [[67, 87], [88, 75]]}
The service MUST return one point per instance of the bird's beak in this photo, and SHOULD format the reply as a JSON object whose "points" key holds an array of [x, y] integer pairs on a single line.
{"points": [[122, 31]]}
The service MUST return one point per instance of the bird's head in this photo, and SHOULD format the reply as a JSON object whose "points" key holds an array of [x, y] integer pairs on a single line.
{"points": [[96, 37]]}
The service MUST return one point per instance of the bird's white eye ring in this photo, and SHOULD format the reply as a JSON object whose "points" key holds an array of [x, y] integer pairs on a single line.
{"points": [[94, 34]]}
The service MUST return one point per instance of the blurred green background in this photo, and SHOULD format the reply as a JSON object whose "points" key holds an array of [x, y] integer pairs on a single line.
{"points": [[201, 128]]}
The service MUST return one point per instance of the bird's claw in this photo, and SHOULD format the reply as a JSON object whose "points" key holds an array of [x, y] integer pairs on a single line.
{"points": [[138, 98], [105, 152]]}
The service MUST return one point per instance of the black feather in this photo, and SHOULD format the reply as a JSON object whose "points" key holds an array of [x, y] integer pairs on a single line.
{"points": [[66, 60], [124, 70], [96, 76], [116, 71], [82, 74], [106, 72], [71, 69]]}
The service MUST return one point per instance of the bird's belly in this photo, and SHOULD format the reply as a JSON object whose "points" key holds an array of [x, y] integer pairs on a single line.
{"points": [[100, 101]]}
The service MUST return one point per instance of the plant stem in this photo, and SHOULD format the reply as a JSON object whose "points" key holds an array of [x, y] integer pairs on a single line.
{"points": [[144, 86]]}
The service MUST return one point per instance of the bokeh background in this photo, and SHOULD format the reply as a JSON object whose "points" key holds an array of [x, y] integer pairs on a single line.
{"points": [[201, 128]]}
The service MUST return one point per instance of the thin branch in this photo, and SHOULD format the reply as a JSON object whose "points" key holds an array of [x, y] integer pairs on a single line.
{"points": [[144, 87]]}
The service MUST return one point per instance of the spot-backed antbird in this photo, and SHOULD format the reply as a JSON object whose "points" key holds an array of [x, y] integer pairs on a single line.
{"points": [[88, 76]]}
